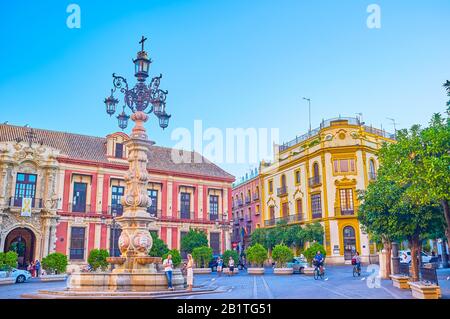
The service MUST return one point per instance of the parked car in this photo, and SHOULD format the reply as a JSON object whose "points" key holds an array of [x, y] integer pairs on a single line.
{"points": [[20, 275], [405, 257], [213, 262], [298, 264]]}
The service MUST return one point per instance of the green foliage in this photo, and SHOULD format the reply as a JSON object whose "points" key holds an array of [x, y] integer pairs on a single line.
{"points": [[256, 254], [312, 251], [55, 263], [290, 235], [193, 239], [202, 256], [159, 248], [282, 254], [97, 259], [8, 260], [230, 253], [176, 257]]}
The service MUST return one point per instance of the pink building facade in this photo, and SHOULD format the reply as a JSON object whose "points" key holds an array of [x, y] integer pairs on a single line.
{"points": [[246, 209]]}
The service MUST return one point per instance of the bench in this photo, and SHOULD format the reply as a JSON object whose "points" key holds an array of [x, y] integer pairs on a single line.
{"points": [[401, 279]]}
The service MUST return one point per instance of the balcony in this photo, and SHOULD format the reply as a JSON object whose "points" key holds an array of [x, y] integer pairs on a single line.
{"points": [[17, 202], [78, 208], [185, 214], [213, 216], [236, 221], [118, 208], [347, 211], [294, 218], [157, 213], [247, 200], [372, 176], [314, 181], [240, 202], [317, 215], [282, 191], [255, 196]]}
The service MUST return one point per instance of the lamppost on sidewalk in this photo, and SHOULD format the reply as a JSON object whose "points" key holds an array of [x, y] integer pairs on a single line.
{"points": [[135, 240]]}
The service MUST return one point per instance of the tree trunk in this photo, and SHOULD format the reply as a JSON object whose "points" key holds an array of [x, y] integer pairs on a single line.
{"points": [[446, 208], [388, 248], [415, 243]]}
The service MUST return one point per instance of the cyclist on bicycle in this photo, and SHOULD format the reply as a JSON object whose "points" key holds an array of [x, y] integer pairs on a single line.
{"points": [[357, 261], [318, 261]]}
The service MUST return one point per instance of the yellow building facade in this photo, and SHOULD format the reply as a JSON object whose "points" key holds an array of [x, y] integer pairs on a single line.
{"points": [[315, 178]]}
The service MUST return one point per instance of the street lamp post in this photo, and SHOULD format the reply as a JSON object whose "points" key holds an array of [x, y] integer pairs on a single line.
{"points": [[309, 109], [135, 240]]}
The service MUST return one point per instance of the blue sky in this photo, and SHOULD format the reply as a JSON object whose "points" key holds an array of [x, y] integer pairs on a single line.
{"points": [[230, 63]]}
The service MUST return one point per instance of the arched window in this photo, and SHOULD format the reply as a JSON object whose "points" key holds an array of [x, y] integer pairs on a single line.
{"points": [[316, 170]]}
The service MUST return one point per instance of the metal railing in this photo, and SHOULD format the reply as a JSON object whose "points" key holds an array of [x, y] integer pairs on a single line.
{"points": [[185, 214], [281, 191], [316, 215], [328, 123], [79, 208], [240, 202], [248, 199], [314, 181], [255, 196], [17, 202], [347, 211], [213, 216]]}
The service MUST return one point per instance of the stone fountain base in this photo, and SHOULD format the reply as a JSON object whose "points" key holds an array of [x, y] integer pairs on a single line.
{"points": [[122, 281]]}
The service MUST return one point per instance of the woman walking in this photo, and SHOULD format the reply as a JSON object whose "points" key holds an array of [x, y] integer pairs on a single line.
{"points": [[230, 266], [190, 272]]}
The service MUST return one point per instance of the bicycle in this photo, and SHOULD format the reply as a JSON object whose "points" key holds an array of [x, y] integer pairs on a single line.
{"points": [[318, 272], [356, 271]]}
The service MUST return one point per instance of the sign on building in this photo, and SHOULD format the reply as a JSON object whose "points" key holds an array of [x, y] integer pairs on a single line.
{"points": [[26, 207]]}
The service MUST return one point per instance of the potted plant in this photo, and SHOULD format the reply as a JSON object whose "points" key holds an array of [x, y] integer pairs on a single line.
{"points": [[256, 255], [8, 261], [282, 254], [202, 256], [97, 259], [226, 258], [55, 266]]}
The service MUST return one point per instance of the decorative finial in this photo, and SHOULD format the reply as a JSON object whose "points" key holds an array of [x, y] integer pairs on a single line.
{"points": [[143, 39]]}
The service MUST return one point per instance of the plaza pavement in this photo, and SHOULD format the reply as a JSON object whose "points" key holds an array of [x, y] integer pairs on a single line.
{"points": [[338, 284]]}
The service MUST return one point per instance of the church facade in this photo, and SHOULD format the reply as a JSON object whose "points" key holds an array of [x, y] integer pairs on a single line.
{"points": [[62, 192]]}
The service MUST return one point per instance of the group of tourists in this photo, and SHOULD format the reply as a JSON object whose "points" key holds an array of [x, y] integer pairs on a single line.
{"points": [[34, 268], [188, 269]]}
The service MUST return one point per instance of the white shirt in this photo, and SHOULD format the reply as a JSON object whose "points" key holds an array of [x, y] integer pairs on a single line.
{"points": [[167, 264]]}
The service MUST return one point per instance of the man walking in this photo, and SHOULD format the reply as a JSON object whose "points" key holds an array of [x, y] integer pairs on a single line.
{"points": [[168, 267], [37, 265]]}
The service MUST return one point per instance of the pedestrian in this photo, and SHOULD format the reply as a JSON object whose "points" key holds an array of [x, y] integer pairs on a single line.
{"points": [[190, 272], [230, 266], [30, 268], [219, 266], [37, 265], [168, 268], [33, 269]]}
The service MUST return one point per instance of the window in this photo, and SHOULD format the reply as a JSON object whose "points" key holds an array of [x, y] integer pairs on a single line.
{"points": [[270, 187], [25, 187], [213, 207], [316, 206], [214, 242], [298, 206], [257, 209], [79, 197], [185, 205], [346, 200], [284, 209], [372, 173], [153, 208], [77, 243], [344, 166], [297, 177], [283, 180], [116, 195], [315, 169], [119, 150], [271, 212], [114, 241]]}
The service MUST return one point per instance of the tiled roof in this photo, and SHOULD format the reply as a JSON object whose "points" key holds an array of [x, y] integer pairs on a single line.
{"points": [[92, 148]]}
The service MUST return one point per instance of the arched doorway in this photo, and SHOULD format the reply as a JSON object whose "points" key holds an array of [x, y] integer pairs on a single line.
{"points": [[22, 241], [349, 242]]}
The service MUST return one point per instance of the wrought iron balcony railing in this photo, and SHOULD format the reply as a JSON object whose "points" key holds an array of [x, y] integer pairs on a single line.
{"points": [[185, 214], [282, 191], [240, 202], [345, 211], [17, 202], [248, 200], [314, 181], [255, 196]]}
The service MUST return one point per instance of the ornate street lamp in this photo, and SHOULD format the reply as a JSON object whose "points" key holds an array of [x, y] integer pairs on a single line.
{"points": [[135, 240], [142, 98]]}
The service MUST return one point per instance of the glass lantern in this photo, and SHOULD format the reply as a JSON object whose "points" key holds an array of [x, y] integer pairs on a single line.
{"points": [[123, 120], [141, 66], [164, 119], [110, 103]]}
